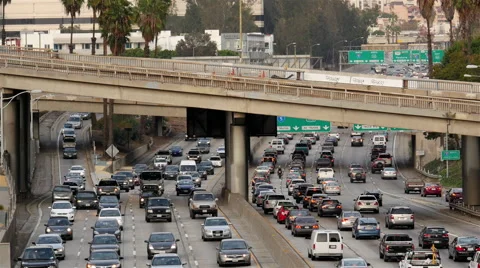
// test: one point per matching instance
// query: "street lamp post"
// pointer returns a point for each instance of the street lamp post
(311, 48)
(1, 117)
(333, 50)
(350, 44)
(286, 49)
(32, 101)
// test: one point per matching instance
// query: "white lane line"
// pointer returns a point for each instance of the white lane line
(84, 228)
(78, 254)
(133, 227)
(190, 248)
(133, 239)
(186, 235)
(133, 218)
(40, 215)
(196, 263)
(181, 224)
(86, 219)
(134, 253)
(81, 240)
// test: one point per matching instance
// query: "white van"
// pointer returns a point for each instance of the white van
(278, 145)
(379, 140)
(326, 243)
(187, 166)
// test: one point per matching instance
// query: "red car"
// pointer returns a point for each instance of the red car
(283, 213)
(431, 189)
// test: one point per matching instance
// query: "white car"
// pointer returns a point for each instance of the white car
(63, 208)
(336, 135)
(68, 132)
(77, 169)
(325, 173)
(112, 213)
(332, 187)
(76, 121)
(160, 162)
(353, 134)
(216, 161)
(279, 204)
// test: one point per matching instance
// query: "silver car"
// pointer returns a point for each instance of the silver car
(388, 173)
(216, 228)
(332, 187)
(233, 251)
(366, 203)
(346, 219)
(167, 260)
(352, 262)
(53, 240)
(399, 216)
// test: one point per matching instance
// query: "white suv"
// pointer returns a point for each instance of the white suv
(278, 145)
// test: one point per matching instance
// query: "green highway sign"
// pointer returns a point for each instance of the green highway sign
(417, 56)
(398, 129)
(366, 56)
(401, 56)
(359, 127)
(297, 125)
(450, 155)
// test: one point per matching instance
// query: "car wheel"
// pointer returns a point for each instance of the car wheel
(377, 211)
(215, 214)
(178, 194)
(149, 257)
(192, 215)
(380, 255)
(169, 219)
(450, 255)
(265, 212)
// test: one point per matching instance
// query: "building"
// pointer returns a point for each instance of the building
(257, 47)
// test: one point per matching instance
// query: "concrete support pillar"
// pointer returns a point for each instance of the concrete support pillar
(105, 124)
(238, 178)
(11, 138)
(158, 125)
(110, 122)
(24, 143)
(471, 170)
(228, 150)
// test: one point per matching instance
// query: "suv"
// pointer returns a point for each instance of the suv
(378, 195)
(302, 147)
(108, 187)
(203, 202)
(194, 154)
(62, 192)
(357, 141)
(358, 174)
(269, 203)
(323, 163)
(309, 193)
(377, 165)
(158, 208)
(328, 146)
(165, 154)
(38, 256)
(387, 158)
(399, 216)
(299, 191)
(329, 155)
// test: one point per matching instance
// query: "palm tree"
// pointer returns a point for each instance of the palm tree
(428, 13)
(467, 13)
(72, 8)
(116, 22)
(97, 6)
(4, 34)
(448, 7)
(150, 18)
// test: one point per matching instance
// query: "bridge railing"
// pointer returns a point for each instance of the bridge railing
(240, 84)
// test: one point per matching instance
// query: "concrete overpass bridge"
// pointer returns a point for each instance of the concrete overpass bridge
(242, 95)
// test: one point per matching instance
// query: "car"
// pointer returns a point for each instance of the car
(358, 174)
(104, 258)
(366, 227)
(107, 226)
(304, 225)
(202, 203)
(375, 193)
(144, 195)
(281, 203)
(315, 200)
(216, 161)
(283, 211)
(195, 155)
(105, 241)
(139, 168)
(161, 243)
(112, 213)
(71, 175)
(209, 166)
(299, 191)
(292, 184)
(75, 184)
(67, 126)
(311, 137)
(85, 116)
(106, 201)
(356, 141)
(38, 256)
(366, 203)
(329, 207)
(233, 251)
(377, 165)
(332, 187)
(463, 247)
(353, 166)
(160, 162)
(86, 199)
(76, 121)
(270, 201)
(53, 240)
(308, 195)
(197, 178)
(176, 150)
(352, 262)
(69, 153)
(62, 192)
(203, 141)
(431, 189)
(158, 208)
(221, 151)
(353, 134)
(325, 243)
(387, 158)
(170, 260)
(346, 219)
(167, 154)
(433, 235)
(328, 146)
(388, 173)
(77, 169)
(214, 228)
(454, 195)
(123, 182)
(184, 186)
(333, 140)
(171, 172)
(59, 225)
(399, 216)
(63, 208)
(335, 135)
(130, 177)
(193, 192)
(108, 187)
(190, 138)
(292, 214)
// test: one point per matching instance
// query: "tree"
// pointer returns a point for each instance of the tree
(196, 45)
(393, 28)
(226, 15)
(428, 13)
(193, 18)
(410, 25)
(96, 6)
(116, 24)
(467, 13)
(150, 17)
(72, 8)
(369, 16)
(4, 33)
(448, 7)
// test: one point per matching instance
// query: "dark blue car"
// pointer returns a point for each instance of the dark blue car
(185, 187)
(176, 151)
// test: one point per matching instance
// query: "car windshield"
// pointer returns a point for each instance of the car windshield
(67, 125)
(49, 240)
(299, 213)
(140, 167)
(355, 166)
(352, 214)
(469, 240)
(215, 158)
(119, 177)
(171, 168)
(61, 206)
(184, 177)
(229, 245)
(176, 148)
(367, 198)
(104, 239)
(38, 254)
(357, 170)
(153, 176)
(368, 222)
(166, 260)
(215, 222)
(103, 255)
(194, 152)
(62, 189)
(76, 168)
(203, 197)
(436, 230)
(185, 182)
(108, 199)
(58, 222)
(125, 173)
(159, 202)
(305, 220)
(109, 213)
(354, 263)
(106, 224)
(74, 119)
(423, 259)
(167, 237)
(402, 211)
(108, 183)
(160, 160)
(388, 169)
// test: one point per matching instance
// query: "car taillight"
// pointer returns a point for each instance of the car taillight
(426, 235)
(313, 246)
(344, 220)
(459, 248)
(387, 248)
(359, 203)
(342, 246)
(298, 227)
(306, 198)
(411, 217)
(266, 202)
(339, 206)
(315, 226)
(413, 247)
(445, 235)
(378, 227)
(391, 217)
(375, 204)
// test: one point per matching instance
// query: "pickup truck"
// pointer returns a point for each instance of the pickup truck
(413, 185)
(69, 142)
(166, 154)
(421, 259)
(394, 246)
(108, 187)
(325, 173)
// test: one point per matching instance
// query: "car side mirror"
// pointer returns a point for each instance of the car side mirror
(217, 248)
(121, 258)
(92, 228)
(45, 225)
(20, 258)
(50, 207)
(183, 264)
(202, 224)
(89, 243)
(74, 207)
(86, 259)
(146, 241)
(171, 204)
(177, 240)
(96, 184)
(368, 264)
(33, 243)
(337, 216)
(123, 214)
(250, 247)
(148, 265)
(111, 176)
(216, 199)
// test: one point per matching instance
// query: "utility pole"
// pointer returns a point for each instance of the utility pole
(105, 124)
(241, 28)
(446, 148)
(110, 123)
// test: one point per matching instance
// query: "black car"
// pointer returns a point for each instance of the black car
(204, 148)
(122, 181)
(139, 168)
(171, 172)
(209, 167)
(108, 201)
(332, 140)
(161, 242)
(377, 195)
(69, 153)
(433, 235)
(38, 256)
(143, 198)
(299, 191)
(292, 214)
(184, 187)
(304, 226)
(104, 258)
(130, 177)
(86, 199)
(105, 241)
(203, 172)
(107, 226)
(61, 226)
(158, 208)
(323, 163)
(463, 247)
(329, 207)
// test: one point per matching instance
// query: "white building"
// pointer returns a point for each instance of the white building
(54, 39)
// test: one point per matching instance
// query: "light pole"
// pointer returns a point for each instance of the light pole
(1, 116)
(48, 96)
(311, 48)
(350, 45)
(240, 26)
(286, 49)
(333, 50)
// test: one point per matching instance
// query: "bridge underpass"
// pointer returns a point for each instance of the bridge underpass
(246, 96)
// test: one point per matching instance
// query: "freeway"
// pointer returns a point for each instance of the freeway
(428, 211)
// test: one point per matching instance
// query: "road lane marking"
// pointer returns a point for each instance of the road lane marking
(196, 263)
(190, 247)
(186, 235)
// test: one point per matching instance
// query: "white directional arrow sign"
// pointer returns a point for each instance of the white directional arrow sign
(326, 127)
(296, 128)
(358, 126)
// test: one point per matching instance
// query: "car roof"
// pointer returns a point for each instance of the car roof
(104, 250)
(215, 218)
(39, 246)
(162, 255)
(157, 233)
(109, 209)
(49, 235)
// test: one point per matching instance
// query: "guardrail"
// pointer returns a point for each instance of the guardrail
(270, 87)
(252, 71)
(472, 210)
